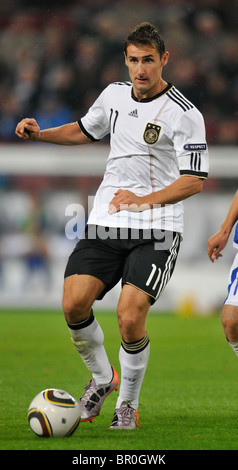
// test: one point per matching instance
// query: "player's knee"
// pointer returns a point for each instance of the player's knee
(126, 323)
(229, 320)
(129, 323)
(229, 324)
(75, 309)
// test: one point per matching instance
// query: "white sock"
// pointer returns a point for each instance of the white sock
(234, 346)
(87, 337)
(133, 359)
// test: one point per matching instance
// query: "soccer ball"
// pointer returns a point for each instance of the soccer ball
(54, 412)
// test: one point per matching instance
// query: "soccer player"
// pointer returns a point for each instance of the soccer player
(158, 157)
(216, 244)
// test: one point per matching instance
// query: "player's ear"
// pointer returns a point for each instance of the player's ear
(165, 58)
(126, 62)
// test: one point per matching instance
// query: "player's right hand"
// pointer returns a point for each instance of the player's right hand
(28, 129)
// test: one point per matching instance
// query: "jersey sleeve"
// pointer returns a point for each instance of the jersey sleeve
(191, 146)
(95, 124)
(235, 241)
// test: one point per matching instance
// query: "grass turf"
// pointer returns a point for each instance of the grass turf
(188, 399)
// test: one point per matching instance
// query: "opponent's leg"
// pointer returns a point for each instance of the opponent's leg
(80, 291)
(134, 354)
(229, 319)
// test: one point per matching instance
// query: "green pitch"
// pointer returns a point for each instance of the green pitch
(189, 398)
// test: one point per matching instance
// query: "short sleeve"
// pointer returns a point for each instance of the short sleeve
(235, 241)
(95, 124)
(191, 146)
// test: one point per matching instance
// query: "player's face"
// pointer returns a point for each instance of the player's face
(145, 69)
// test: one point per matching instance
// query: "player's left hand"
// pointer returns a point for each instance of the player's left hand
(125, 200)
(216, 244)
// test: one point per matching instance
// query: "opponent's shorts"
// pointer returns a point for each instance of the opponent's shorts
(232, 297)
(143, 258)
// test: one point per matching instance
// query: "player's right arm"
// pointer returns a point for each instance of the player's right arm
(67, 134)
(218, 241)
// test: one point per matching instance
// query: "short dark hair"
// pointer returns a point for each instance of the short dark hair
(146, 33)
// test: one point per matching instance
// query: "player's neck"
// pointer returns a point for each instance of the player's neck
(140, 95)
(143, 95)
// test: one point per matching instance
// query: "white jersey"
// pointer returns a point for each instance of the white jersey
(153, 142)
(235, 241)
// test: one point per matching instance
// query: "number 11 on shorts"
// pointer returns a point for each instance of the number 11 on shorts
(151, 277)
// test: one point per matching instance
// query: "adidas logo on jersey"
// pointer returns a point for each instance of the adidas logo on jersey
(133, 113)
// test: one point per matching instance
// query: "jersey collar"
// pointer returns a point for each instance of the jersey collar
(147, 100)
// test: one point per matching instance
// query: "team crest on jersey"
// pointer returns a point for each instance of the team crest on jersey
(151, 133)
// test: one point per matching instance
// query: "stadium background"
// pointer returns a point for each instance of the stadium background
(54, 61)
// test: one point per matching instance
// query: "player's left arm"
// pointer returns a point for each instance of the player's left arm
(218, 241)
(181, 189)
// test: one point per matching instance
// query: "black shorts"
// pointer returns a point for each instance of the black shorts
(142, 258)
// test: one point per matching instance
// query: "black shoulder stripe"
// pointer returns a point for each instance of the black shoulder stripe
(177, 92)
(122, 83)
(85, 132)
(179, 100)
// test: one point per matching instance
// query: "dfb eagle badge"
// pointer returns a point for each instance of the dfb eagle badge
(151, 133)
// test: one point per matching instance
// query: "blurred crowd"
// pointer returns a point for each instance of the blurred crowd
(57, 56)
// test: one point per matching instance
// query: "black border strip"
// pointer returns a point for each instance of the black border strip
(200, 174)
(85, 132)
